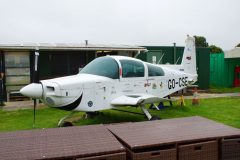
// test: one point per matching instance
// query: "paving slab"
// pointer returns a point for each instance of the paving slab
(12, 106)
(140, 135)
(60, 143)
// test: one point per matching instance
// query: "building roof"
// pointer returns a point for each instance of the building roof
(71, 46)
(234, 53)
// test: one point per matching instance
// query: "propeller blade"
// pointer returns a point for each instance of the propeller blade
(35, 80)
(34, 112)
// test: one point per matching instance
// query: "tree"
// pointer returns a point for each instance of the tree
(200, 41)
(215, 49)
(238, 45)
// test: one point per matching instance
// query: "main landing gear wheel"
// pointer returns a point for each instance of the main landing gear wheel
(155, 118)
(147, 114)
(93, 114)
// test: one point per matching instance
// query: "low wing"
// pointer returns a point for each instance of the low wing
(133, 100)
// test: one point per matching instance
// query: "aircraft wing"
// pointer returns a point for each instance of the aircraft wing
(135, 99)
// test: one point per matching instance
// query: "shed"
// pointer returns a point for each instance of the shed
(55, 60)
(234, 53)
(222, 67)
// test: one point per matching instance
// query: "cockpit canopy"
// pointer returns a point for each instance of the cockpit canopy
(103, 66)
(108, 67)
(154, 71)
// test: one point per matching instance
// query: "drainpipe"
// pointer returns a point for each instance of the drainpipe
(174, 53)
(138, 53)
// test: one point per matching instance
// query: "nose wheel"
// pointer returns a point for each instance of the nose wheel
(63, 123)
(155, 118)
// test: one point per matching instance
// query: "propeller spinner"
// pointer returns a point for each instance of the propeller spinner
(33, 90)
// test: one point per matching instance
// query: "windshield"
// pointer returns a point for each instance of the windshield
(103, 66)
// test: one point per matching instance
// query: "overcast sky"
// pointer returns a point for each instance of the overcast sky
(132, 22)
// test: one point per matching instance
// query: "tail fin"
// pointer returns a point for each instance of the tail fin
(189, 58)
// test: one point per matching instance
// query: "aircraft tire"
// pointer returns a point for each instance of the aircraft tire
(94, 114)
(155, 118)
(66, 124)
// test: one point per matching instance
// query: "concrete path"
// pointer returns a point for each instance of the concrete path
(214, 95)
(11, 106)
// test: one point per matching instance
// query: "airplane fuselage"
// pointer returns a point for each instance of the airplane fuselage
(97, 92)
(114, 81)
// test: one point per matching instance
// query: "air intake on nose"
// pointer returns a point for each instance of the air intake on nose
(50, 88)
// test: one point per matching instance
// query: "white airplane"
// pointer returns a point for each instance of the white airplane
(114, 81)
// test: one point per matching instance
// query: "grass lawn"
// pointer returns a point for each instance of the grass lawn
(224, 110)
(214, 89)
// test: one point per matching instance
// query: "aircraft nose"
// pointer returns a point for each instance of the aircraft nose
(33, 90)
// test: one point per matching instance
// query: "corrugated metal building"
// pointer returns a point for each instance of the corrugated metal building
(222, 67)
(55, 60)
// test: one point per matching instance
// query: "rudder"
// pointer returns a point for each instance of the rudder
(189, 56)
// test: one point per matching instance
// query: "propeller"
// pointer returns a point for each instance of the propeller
(35, 80)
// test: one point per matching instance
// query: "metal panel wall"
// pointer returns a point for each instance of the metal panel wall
(62, 63)
(231, 63)
(217, 70)
(222, 70)
(203, 67)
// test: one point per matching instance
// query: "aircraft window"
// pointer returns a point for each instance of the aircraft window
(132, 68)
(154, 71)
(103, 66)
